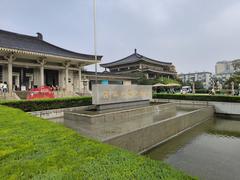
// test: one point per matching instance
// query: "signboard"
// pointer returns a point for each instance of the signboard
(43, 92)
(102, 94)
(105, 82)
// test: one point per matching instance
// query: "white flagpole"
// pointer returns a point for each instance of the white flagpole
(95, 39)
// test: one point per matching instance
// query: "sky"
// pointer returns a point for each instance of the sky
(192, 34)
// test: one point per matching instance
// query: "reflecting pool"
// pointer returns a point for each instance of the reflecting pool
(209, 151)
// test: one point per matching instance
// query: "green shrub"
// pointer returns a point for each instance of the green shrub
(202, 91)
(33, 148)
(198, 97)
(46, 104)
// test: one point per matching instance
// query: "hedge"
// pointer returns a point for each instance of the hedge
(202, 91)
(46, 104)
(32, 148)
(198, 97)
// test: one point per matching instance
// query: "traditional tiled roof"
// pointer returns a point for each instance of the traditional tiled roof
(15, 41)
(133, 58)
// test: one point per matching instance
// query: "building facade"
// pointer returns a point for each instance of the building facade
(224, 67)
(204, 77)
(29, 61)
(136, 63)
(224, 70)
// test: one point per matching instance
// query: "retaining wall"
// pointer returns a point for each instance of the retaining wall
(230, 108)
(55, 113)
(165, 110)
(143, 139)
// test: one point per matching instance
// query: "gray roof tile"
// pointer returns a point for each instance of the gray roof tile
(34, 44)
(133, 58)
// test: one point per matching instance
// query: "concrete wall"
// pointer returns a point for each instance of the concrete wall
(220, 107)
(127, 82)
(55, 113)
(146, 138)
(165, 111)
(109, 94)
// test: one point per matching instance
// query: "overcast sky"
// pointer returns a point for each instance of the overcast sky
(193, 34)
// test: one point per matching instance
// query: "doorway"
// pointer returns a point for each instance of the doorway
(51, 77)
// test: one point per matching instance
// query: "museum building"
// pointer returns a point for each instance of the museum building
(137, 64)
(30, 61)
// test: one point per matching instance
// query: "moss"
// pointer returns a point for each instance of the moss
(38, 149)
(224, 133)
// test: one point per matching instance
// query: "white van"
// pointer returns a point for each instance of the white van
(186, 89)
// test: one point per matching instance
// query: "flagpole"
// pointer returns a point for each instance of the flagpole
(95, 39)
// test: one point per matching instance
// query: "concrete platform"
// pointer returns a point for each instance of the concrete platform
(92, 117)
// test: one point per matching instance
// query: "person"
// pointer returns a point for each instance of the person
(1, 86)
(5, 87)
(212, 92)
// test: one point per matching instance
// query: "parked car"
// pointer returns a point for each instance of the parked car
(186, 89)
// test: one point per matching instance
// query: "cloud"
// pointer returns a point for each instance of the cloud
(193, 34)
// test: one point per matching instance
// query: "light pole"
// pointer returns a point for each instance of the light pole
(95, 38)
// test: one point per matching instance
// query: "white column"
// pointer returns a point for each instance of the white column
(80, 78)
(67, 64)
(10, 87)
(42, 75)
(42, 62)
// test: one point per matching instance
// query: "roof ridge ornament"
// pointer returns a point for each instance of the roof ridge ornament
(39, 36)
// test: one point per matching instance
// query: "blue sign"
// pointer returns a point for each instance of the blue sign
(105, 82)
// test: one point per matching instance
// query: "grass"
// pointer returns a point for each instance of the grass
(33, 148)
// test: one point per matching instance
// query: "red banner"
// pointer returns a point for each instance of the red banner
(43, 92)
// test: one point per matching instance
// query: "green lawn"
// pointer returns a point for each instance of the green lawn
(31, 147)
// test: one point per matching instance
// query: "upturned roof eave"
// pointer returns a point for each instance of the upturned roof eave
(138, 58)
(41, 54)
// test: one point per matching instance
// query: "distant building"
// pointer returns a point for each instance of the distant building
(138, 63)
(224, 70)
(236, 65)
(204, 77)
(224, 67)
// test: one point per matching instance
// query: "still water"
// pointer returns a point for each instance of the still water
(208, 151)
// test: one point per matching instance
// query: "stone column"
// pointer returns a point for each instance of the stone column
(42, 62)
(42, 75)
(67, 64)
(10, 86)
(80, 78)
(10, 58)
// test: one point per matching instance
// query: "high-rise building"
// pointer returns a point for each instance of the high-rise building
(224, 67)
(204, 77)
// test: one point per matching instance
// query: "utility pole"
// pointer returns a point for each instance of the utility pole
(95, 39)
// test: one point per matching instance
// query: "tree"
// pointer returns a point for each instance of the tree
(234, 78)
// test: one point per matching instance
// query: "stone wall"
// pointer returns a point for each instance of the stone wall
(143, 139)
(165, 110)
(230, 108)
(54, 113)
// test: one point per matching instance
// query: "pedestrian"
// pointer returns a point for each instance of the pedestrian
(1, 86)
(5, 87)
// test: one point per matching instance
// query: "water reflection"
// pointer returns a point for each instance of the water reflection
(202, 154)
